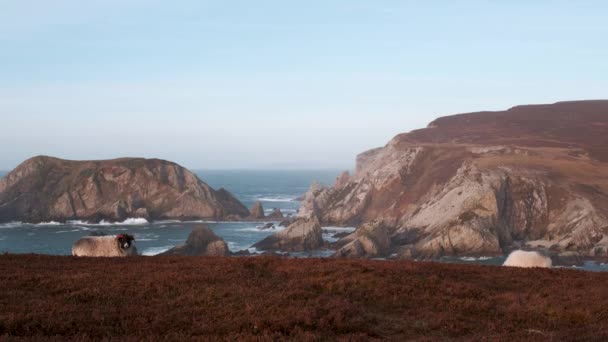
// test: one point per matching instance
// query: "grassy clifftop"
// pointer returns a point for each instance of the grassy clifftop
(306, 299)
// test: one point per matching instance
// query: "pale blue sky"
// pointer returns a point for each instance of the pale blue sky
(277, 84)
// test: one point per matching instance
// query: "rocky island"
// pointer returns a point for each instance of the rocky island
(51, 189)
(479, 184)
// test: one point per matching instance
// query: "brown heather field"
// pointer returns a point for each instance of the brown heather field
(265, 298)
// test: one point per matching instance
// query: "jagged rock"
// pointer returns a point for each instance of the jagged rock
(370, 240)
(276, 214)
(201, 241)
(301, 235)
(51, 189)
(269, 225)
(483, 184)
(257, 211)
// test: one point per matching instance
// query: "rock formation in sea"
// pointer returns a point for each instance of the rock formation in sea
(256, 211)
(301, 235)
(480, 184)
(276, 214)
(51, 189)
(202, 241)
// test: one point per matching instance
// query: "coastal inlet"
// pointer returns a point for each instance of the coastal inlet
(274, 189)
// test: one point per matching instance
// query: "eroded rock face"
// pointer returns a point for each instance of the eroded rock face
(301, 235)
(370, 240)
(257, 211)
(51, 189)
(482, 184)
(202, 241)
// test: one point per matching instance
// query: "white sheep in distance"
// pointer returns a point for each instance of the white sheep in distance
(105, 246)
(527, 259)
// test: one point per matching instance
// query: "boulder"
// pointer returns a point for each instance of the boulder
(257, 211)
(368, 241)
(202, 241)
(301, 235)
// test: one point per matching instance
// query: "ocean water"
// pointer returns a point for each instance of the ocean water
(275, 189)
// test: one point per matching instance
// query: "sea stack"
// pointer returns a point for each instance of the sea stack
(51, 189)
(256, 211)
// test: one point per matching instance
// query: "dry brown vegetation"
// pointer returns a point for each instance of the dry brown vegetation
(267, 298)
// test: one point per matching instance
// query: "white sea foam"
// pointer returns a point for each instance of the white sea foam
(276, 199)
(253, 250)
(155, 250)
(50, 223)
(127, 222)
(67, 231)
(11, 225)
(465, 258)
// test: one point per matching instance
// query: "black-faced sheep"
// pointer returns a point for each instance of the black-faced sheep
(527, 259)
(105, 246)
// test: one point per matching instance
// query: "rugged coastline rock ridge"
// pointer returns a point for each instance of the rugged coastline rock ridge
(481, 184)
(51, 189)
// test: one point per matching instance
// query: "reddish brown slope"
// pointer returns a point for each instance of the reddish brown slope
(576, 124)
(151, 298)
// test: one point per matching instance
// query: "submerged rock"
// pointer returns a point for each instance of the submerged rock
(301, 235)
(202, 241)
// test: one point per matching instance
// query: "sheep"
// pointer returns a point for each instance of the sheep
(521, 258)
(105, 246)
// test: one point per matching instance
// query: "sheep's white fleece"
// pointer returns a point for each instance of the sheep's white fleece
(527, 259)
(101, 246)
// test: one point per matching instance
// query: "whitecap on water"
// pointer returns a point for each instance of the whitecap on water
(155, 250)
(465, 258)
(50, 223)
(11, 225)
(277, 199)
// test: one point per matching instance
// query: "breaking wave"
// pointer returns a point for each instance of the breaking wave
(277, 199)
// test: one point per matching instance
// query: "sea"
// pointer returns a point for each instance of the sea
(273, 188)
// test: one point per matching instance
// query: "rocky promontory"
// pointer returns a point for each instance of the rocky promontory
(51, 189)
(480, 184)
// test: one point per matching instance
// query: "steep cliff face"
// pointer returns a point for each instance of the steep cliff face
(482, 183)
(45, 189)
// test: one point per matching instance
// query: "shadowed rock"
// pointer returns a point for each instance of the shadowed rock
(276, 214)
(301, 235)
(201, 241)
(52, 189)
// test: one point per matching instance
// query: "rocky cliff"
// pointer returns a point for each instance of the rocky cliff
(51, 189)
(483, 183)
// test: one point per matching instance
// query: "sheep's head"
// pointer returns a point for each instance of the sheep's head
(125, 240)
